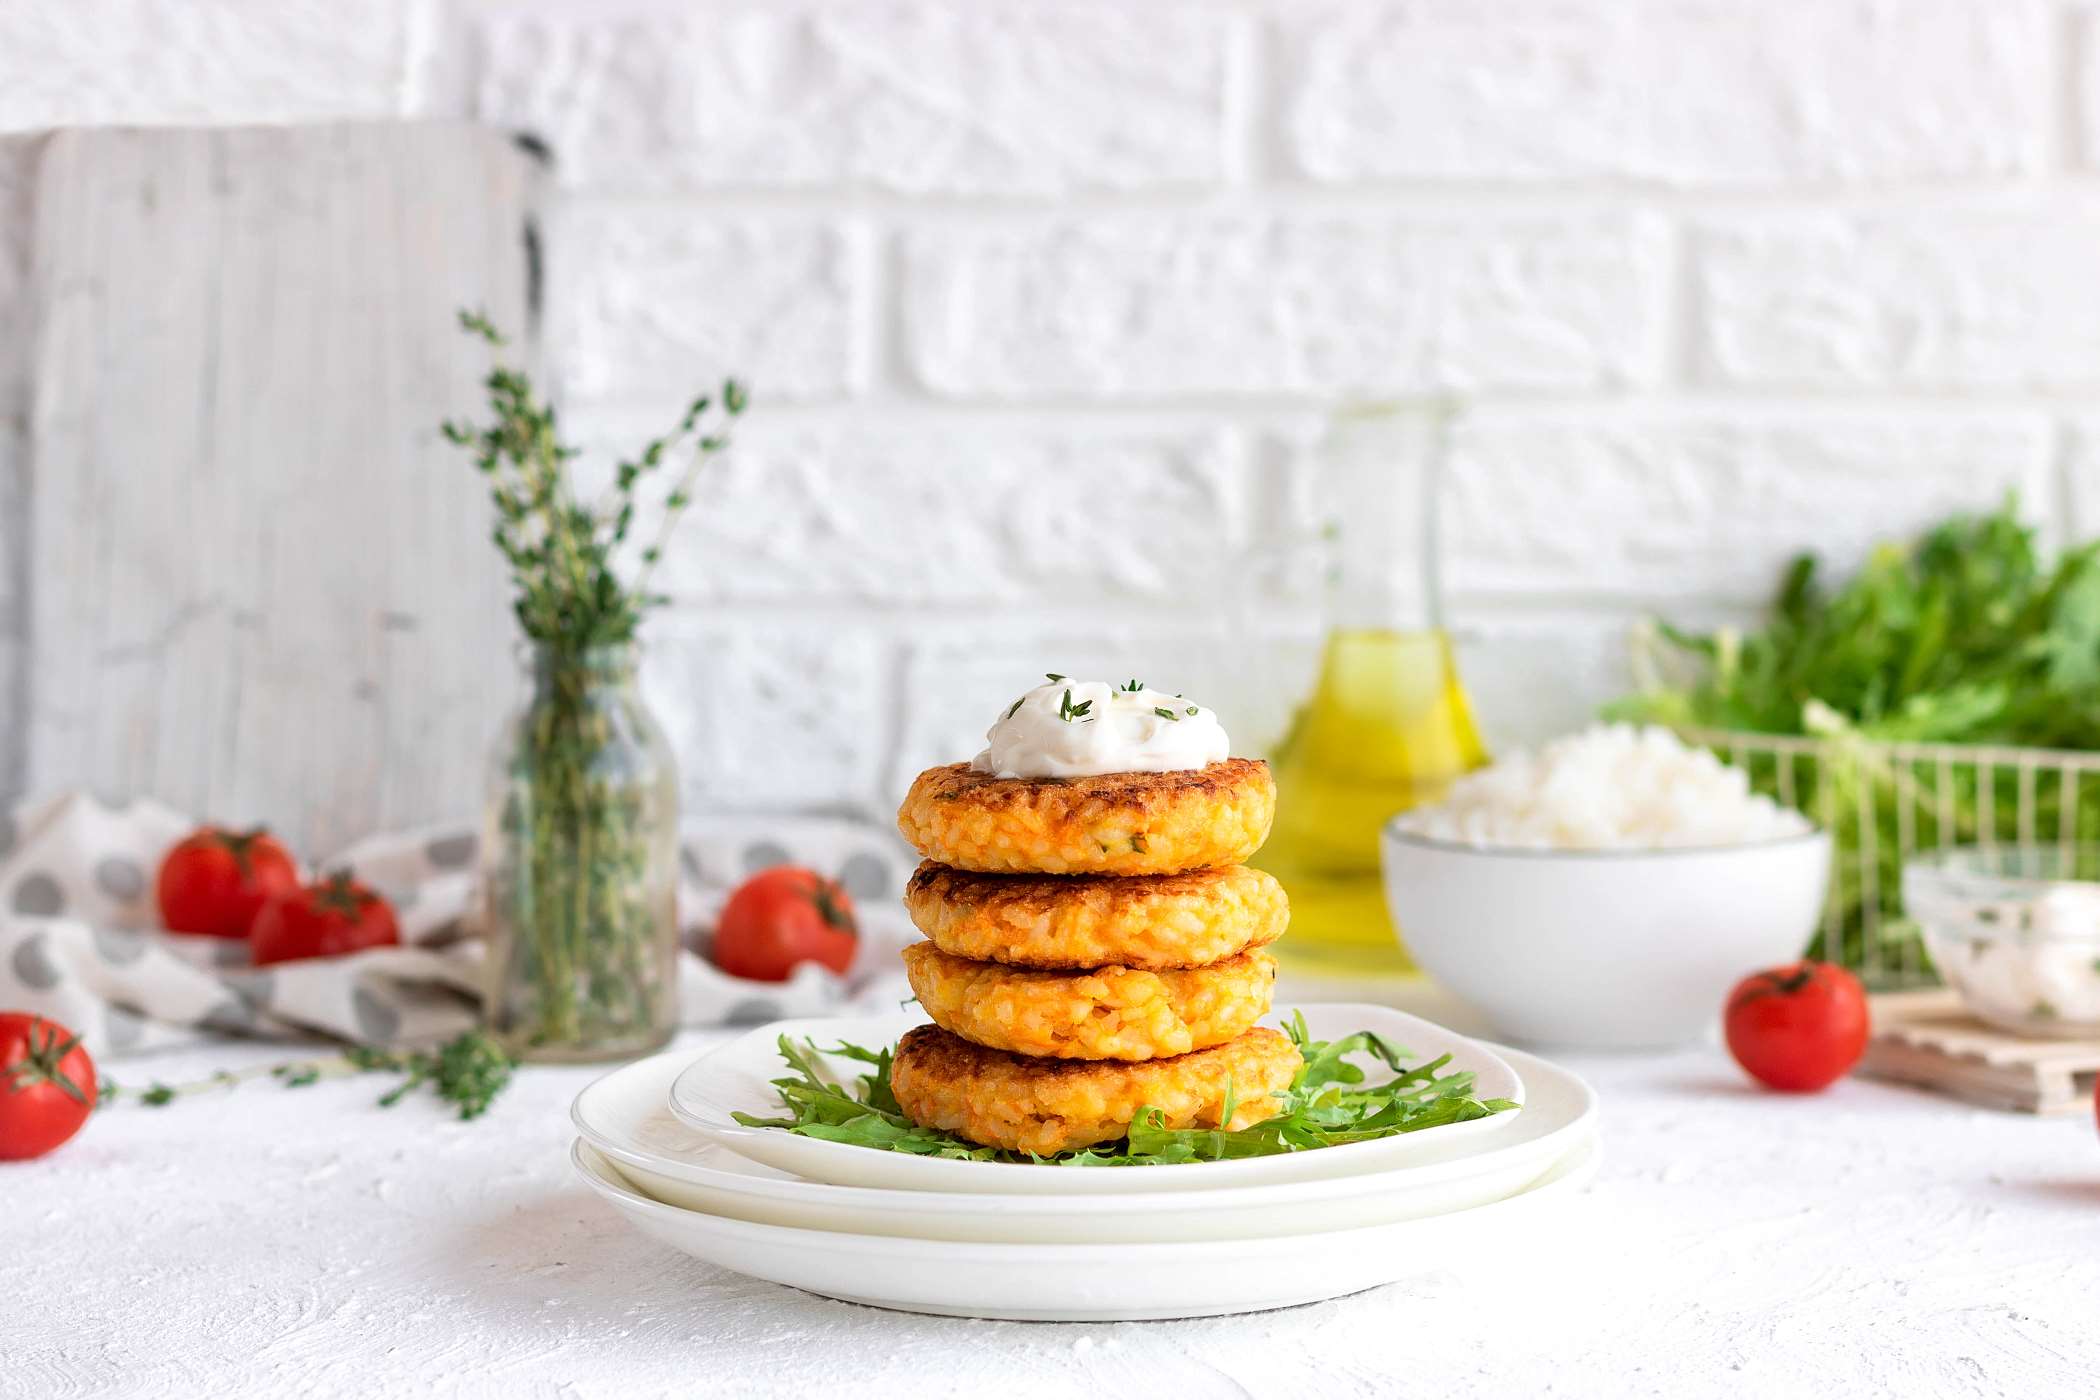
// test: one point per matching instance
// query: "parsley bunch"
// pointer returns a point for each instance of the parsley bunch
(1964, 636)
(1967, 635)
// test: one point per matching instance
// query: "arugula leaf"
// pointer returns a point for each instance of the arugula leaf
(1328, 1103)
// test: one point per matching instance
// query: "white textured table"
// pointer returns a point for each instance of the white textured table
(1873, 1241)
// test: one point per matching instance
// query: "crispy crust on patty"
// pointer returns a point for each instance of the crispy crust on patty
(1110, 824)
(1076, 921)
(1044, 1106)
(1108, 1013)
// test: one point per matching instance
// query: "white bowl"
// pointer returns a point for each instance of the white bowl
(1602, 949)
(626, 1117)
(2015, 929)
(737, 1077)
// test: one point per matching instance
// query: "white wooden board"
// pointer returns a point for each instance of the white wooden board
(1928, 1038)
(260, 583)
(17, 167)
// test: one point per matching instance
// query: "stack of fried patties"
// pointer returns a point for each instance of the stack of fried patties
(1094, 947)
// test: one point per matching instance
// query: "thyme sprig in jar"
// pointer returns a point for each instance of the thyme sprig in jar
(579, 867)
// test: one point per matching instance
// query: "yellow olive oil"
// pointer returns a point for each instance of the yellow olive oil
(1388, 727)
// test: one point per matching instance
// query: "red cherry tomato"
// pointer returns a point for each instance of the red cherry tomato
(215, 881)
(781, 917)
(1799, 1027)
(325, 920)
(47, 1085)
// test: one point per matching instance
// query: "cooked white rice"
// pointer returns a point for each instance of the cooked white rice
(1610, 787)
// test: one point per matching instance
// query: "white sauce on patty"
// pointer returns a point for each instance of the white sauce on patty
(1075, 729)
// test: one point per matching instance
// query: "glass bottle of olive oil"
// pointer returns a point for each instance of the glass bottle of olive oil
(1388, 725)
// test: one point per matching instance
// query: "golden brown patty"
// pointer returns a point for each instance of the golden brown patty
(1111, 824)
(1108, 1013)
(1151, 921)
(1044, 1106)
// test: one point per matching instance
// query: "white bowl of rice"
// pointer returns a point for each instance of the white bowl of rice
(1605, 890)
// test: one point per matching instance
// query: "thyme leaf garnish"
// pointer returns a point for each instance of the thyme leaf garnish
(467, 1072)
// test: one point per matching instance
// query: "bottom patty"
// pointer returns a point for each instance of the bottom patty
(1023, 1104)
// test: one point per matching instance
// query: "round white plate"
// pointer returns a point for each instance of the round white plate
(625, 1116)
(1108, 1282)
(738, 1077)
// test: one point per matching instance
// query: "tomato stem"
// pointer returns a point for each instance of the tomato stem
(45, 1063)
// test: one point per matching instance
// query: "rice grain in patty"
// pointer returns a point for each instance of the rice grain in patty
(1109, 824)
(1081, 921)
(1105, 1013)
(997, 1099)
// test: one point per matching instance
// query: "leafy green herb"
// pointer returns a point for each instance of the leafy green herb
(1329, 1103)
(1052, 677)
(467, 1072)
(1963, 637)
(1164, 713)
(562, 553)
(1132, 686)
(1067, 711)
(1016, 709)
(579, 925)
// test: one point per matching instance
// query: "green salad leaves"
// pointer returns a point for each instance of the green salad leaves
(1328, 1103)
(1966, 636)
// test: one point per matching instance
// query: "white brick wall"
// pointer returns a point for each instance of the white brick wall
(1700, 93)
(1156, 306)
(1041, 300)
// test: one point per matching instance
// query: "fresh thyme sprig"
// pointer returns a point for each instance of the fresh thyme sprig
(1164, 713)
(467, 1072)
(1068, 711)
(585, 941)
(562, 553)
(1328, 1104)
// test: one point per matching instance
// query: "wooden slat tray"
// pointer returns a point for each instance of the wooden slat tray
(1929, 1039)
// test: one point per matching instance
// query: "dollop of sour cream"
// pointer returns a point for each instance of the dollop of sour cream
(1074, 729)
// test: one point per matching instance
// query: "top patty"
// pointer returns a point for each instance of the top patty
(1109, 824)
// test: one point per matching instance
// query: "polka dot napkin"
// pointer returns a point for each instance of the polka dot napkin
(80, 943)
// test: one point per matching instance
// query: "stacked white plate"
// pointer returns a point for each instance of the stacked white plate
(986, 1239)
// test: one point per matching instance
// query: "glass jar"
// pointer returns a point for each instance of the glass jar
(580, 870)
(1388, 725)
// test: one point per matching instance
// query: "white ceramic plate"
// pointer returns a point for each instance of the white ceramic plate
(1109, 1282)
(625, 1116)
(738, 1077)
